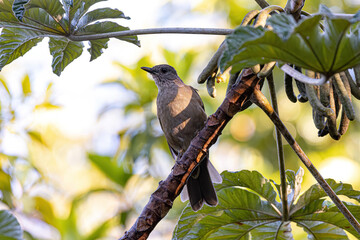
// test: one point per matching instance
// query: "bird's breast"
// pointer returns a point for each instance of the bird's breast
(181, 116)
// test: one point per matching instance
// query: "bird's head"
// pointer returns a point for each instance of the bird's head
(162, 74)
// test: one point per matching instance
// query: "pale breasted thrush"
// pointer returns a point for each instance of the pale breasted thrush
(181, 113)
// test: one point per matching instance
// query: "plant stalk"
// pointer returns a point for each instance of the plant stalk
(280, 152)
(174, 30)
(262, 3)
(259, 99)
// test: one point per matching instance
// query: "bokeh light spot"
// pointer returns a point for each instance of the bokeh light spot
(242, 127)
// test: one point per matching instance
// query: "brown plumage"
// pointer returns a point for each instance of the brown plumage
(181, 114)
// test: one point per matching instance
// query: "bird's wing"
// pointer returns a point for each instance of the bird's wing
(197, 97)
(173, 152)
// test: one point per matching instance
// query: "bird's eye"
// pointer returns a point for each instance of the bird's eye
(163, 70)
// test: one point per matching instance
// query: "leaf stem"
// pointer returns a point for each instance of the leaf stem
(280, 151)
(301, 77)
(262, 3)
(174, 30)
(259, 99)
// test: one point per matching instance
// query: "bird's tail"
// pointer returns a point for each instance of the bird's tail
(199, 187)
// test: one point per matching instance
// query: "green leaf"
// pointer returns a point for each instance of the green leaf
(274, 230)
(26, 85)
(315, 192)
(294, 181)
(98, 14)
(252, 180)
(79, 8)
(2, 81)
(15, 42)
(318, 205)
(44, 207)
(38, 18)
(36, 136)
(329, 223)
(7, 18)
(283, 25)
(64, 52)
(96, 47)
(5, 181)
(321, 230)
(19, 9)
(52, 7)
(107, 27)
(43, 14)
(305, 45)
(9, 226)
(238, 213)
(118, 173)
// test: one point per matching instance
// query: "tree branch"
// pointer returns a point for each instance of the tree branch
(280, 152)
(175, 30)
(162, 199)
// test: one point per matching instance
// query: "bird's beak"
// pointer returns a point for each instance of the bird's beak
(147, 69)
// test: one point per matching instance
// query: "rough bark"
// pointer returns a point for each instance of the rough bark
(162, 199)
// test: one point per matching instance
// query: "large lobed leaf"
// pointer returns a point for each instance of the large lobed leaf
(239, 214)
(242, 212)
(303, 44)
(26, 22)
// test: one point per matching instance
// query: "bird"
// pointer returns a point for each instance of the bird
(181, 114)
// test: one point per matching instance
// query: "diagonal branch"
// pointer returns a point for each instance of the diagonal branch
(162, 199)
(259, 99)
(280, 152)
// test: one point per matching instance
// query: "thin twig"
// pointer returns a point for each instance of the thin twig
(280, 152)
(175, 30)
(263, 103)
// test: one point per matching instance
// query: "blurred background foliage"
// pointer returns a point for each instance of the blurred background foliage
(62, 187)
